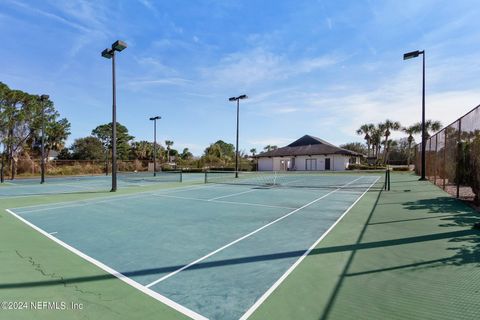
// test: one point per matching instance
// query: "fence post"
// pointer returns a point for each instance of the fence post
(445, 157)
(429, 170)
(435, 161)
(457, 171)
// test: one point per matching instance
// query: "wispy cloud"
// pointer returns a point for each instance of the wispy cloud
(158, 82)
(259, 65)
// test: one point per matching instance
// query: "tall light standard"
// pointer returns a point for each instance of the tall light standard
(243, 96)
(110, 54)
(43, 99)
(154, 119)
(407, 56)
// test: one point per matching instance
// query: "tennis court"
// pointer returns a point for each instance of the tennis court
(83, 184)
(214, 250)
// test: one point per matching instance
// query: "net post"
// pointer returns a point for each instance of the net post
(181, 175)
(205, 177)
(388, 179)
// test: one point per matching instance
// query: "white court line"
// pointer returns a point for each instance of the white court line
(52, 233)
(232, 194)
(285, 275)
(190, 313)
(221, 201)
(244, 237)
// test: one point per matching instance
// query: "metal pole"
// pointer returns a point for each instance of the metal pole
(424, 135)
(114, 128)
(236, 150)
(435, 160)
(154, 147)
(2, 175)
(459, 154)
(42, 162)
(106, 161)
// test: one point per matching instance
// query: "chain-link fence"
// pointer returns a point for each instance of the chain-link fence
(453, 157)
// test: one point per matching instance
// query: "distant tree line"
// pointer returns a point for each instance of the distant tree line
(21, 117)
(379, 146)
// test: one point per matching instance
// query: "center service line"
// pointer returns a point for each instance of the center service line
(244, 237)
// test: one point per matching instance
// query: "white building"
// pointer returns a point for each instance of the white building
(307, 154)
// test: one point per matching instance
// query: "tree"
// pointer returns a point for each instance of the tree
(430, 126)
(56, 134)
(355, 147)
(367, 130)
(64, 154)
(21, 118)
(411, 130)
(270, 148)
(104, 134)
(387, 126)
(88, 148)
(168, 143)
(253, 151)
(219, 153)
(186, 154)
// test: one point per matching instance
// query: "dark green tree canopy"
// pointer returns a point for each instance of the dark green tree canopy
(104, 134)
(355, 146)
(88, 148)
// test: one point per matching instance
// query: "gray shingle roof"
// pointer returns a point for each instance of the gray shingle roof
(308, 145)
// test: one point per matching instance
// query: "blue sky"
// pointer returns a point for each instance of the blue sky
(309, 67)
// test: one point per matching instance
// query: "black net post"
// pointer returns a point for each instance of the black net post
(387, 180)
(205, 176)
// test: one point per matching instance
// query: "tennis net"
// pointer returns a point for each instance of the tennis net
(364, 179)
(146, 176)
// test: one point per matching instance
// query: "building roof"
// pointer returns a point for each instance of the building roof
(308, 145)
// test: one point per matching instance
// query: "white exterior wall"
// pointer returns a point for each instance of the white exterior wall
(265, 164)
(337, 163)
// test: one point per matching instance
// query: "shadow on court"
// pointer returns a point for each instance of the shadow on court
(456, 236)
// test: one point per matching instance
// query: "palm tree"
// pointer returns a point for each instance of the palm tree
(253, 151)
(376, 135)
(413, 129)
(430, 126)
(366, 129)
(57, 133)
(168, 143)
(387, 126)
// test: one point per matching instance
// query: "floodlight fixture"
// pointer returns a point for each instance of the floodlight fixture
(119, 45)
(107, 53)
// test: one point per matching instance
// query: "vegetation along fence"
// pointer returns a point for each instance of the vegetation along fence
(453, 157)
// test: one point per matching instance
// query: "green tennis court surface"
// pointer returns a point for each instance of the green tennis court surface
(85, 184)
(191, 244)
(225, 251)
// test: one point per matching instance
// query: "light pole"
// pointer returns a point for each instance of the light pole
(237, 99)
(110, 54)
(407, 56)
(154, 119)
(43, 99)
